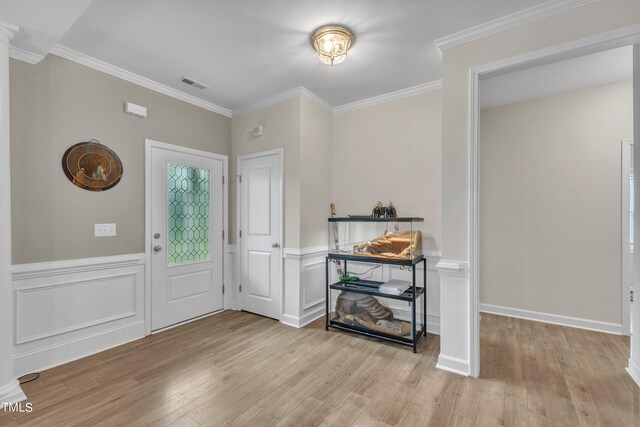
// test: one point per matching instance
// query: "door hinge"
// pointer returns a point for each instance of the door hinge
(631, 296)
(223, 180)
(222, 234)
(240, 288)
(240, 232)
(222, 289)
(240, 178)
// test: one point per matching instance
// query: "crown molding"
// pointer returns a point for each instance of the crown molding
(275, 99)
(301, 92)
(96, 64)
(9, 26)
(296, 92)
(8, 30)
(534, 13)
(25, 55)
(312, 97)
(391, 96)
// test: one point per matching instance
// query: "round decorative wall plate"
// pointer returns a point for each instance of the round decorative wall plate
(92, 166)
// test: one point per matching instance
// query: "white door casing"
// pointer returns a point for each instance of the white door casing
(260, 232)
(627, 245)
(185, 233)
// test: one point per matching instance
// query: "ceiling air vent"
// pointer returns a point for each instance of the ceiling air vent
(194, 83)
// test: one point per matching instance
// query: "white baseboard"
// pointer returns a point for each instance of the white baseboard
(452, 364)
(195, 319)
(555, 319)
(301, 322)
(289, 320)
(65, 352)
(634, 371)
(12, 393)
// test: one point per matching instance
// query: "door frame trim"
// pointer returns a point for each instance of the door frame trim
(627, 156)
(149, 145)
(239, 159)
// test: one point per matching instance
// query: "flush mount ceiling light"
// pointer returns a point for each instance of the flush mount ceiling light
(332, 43)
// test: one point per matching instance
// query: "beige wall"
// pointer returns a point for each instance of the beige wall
(58, 103)
(391, 151)
(594, 18)
(550, 210)
(281, 129)
(315, 194)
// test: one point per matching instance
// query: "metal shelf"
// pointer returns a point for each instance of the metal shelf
(373, 334)
(376, 259)
(369, 219)
(371, 287)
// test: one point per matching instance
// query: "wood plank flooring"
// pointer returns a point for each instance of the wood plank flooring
(239, 369)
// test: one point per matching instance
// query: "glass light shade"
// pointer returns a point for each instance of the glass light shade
(332, 44)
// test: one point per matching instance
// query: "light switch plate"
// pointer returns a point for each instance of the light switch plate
(104, 230)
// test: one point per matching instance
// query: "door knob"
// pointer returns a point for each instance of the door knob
(157, 248)
(275, 245)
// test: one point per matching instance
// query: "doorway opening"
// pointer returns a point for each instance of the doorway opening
(535, 209)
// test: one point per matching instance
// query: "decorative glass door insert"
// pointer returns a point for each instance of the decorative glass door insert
(189, 222)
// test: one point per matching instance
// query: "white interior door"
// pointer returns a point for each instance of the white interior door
(187, 209)
(260, 197)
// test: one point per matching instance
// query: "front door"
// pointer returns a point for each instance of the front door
(260, 227)
(187, 209)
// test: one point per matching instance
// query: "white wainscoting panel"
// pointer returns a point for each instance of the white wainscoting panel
(66, 310)
(454, 320)
(303, 286)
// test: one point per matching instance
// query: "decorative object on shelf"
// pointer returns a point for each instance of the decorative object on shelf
(333, 210)
(332, 42)
(92, 166)
(390, 211)
(392, 245)
(378, 210)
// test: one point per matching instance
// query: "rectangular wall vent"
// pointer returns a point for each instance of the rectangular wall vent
(194, 83)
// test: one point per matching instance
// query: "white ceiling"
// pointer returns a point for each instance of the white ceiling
(250, 50)
(609, 66)
(42, 23)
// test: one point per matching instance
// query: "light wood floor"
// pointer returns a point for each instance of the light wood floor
(243, 369)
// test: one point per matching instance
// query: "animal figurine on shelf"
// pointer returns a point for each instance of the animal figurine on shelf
(365, 311)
